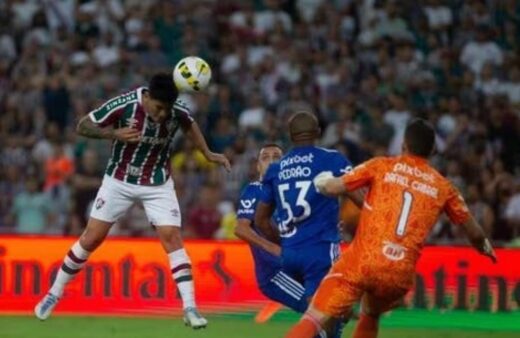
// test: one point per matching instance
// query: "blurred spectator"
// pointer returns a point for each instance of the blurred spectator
(204, 218)
(11, 185)
(227, 222)
(439, 16)
(397, 116)
(31, 208)
(253, 116)
(85, 183)
(58, 168)
(377, 134)
(56, 101)
(511, 88)
(486, 82)
(477, 53)
(512, 211)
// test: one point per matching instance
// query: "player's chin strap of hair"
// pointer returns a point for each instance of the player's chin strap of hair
(316, 323)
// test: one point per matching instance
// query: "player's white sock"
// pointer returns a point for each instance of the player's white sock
(72, 264)
(180, 265)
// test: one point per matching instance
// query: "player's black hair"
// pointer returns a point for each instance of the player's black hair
(303, 126)
(162, 88)
(270, 145)
(420, 137)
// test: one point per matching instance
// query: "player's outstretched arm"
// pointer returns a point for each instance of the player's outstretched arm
(329, 185)
(263, 215)
(245, 232)
(86, 127)
(478, 239)
(200, 142)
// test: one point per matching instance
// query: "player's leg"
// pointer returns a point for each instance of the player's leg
(332, 301)
(162, 209)
(316, 268)
(373, 306)
(284, 289)
(180, 265)
(316, 262)
(110, 204)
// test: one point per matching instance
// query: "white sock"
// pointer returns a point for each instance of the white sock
(72, 264)
(180, 265)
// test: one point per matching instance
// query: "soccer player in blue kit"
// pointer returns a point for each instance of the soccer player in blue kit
(307, 220)
(272, 281)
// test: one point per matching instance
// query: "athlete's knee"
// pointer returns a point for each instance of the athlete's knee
(94, 235)
(171, 237)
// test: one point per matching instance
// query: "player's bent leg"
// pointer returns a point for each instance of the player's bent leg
(372, 306)
(284, 289)
(267, 312)
(368, 323)
(333, 299)
(312, 324)
(180, 265)
(94, 234)
(367, 326)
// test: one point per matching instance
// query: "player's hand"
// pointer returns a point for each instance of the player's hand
(219, 159)
(129, 135)
(321, 179)
(488, 251)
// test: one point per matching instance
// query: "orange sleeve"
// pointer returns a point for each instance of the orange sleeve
(455, 207)
(361, 175)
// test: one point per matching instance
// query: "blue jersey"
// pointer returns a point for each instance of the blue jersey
(266, 265)
(305, 216)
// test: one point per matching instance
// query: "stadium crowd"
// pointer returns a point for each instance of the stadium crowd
(364, 66)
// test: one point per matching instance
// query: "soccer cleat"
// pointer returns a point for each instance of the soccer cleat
(193, 319)
(44, 308)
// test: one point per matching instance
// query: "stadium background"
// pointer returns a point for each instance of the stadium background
(364, 66)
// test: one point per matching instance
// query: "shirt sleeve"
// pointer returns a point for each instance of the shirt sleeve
(362, 175)
(183, 114)
(455, 207)
(247, 204)
(341, 165)
(266, 194)
(110, 111)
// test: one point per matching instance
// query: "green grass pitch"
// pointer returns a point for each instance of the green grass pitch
(399, 324)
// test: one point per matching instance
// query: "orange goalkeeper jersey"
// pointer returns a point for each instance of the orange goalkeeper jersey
(405, 198)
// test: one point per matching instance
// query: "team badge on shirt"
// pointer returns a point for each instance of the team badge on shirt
(100, 203)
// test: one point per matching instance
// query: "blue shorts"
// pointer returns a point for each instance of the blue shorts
(309, 263)
(285, 290)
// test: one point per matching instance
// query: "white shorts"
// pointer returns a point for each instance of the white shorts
(115, 197)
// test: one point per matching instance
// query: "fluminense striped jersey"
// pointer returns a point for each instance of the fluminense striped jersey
(145, 162)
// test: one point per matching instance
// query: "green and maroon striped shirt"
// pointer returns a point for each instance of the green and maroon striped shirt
(146, 162)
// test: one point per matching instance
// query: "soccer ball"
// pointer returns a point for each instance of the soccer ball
(191, 74)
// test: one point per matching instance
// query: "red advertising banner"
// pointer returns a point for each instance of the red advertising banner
(131, 276)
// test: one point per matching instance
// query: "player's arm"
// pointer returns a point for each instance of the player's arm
(245, 232)
(458, 213)
(192, 130)
(359, 177)
(263, 215)
(99, 123)
(478, 239)
(88, 128)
